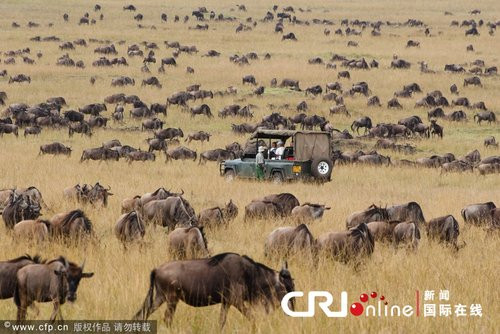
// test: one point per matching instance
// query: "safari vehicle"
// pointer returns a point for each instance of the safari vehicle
(307, 156)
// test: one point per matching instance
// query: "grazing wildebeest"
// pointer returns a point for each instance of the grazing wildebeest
(490, 141)
(444, 229)
(169, 212)
(372, 213)
(20, 78)
(410, 211)
(169, 61)
(200, 135)
(218, 155)
(407, 233)
(81, 127)
(8, 272)
(188, 243)
(71, 224)
(201, 110)
(9, 128)
(475, 81)
(289, 83)
(263, 210)
(288, 241)
(488, 168)
(394, 104)
(485, 116)
(340, 109)
(55, 148)
(374, 101)
(33, 230)
(152, 124)
(19, 208)
(456, 116)
(129, 227)
(249, 79)
(93, 109)
(181, 153)
(169, 133)
(98, 121)
(74, 116)
(349, 245)
(32, 130)
(228, 279)
(308, 212)
(218, 216)
(151, 81)
(55, 281)
(289, 36)
(363, 122)
(286, 201)
(140, 156)
(156, 144)
(435, 113)
(478, 214)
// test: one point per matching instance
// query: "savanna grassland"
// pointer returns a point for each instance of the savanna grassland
(121, 276)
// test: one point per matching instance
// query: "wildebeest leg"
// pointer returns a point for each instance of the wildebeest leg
(223, 313)
(172, 301)
(56, 311)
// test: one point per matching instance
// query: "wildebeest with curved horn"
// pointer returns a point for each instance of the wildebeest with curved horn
(217, 216)
(349, 245)
(371, 214)
(19, 208)
(188, 243)
(8, 273)
(286, 241)
(478, 214)
(129, 227)
(55, 281)
(228, 279)
(363, 122)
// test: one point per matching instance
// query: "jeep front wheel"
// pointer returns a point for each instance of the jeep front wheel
(277, 178)
(229, 175)
(322, 168)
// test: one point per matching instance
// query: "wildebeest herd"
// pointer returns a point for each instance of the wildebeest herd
(149, 101)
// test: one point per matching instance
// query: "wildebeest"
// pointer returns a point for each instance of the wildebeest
(82, 127)
(32, 130)
(229, 279)
(407, 233)
(72, 224)
(382, 230)
(152, 124)
(8, 272)
(444, 229)
(156, 144)
(217, 216)
(363, 122)
(181, 153)
(20, 78)
(218, 155)
(263, 209)
(55, 148)
(372, 213)
(287, 201)
(169, 133)
(490, 141)
(18, 208)
(485, 116)
(201, 110)
(74, 116)
(478, 214)
(200, 135)
(170, 212)
(435, 129)
(289, 36)
(250, 79)
(151, 81)
(55, 281)
(349, 245)
(287, 241)
(9, 128)
(140, 156)
(290, 83)
(33, 230)
(475, 81)
(188, 243)
(129, 227)
(410, 211)
(96, 194)
(308, 212)
(99, 153)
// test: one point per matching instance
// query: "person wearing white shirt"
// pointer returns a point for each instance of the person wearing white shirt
(280, 150)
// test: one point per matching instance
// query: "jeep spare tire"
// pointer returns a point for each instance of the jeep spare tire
(321, 168)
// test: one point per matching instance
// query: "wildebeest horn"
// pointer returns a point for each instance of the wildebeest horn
(83, 264)
(182, 192)
(285, 265)
(109, 188)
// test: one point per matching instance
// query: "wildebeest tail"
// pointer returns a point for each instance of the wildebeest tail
(17, 299)
(463, 214)
(145, 310)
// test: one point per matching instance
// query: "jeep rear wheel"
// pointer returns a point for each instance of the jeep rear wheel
(277, 178)
(229, 175)
(322, 168)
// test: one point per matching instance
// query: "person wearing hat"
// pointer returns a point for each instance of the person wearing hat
(280, 150)
(259, 163)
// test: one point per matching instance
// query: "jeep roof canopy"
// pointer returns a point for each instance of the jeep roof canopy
(308, 145)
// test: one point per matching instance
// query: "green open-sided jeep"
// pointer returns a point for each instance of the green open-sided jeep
(306, 156)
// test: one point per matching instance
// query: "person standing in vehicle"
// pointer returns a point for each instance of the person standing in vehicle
(259, 164)
(280, 150)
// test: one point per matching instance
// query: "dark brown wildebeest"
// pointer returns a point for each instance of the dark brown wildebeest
(289, 36)
(19, 208)
(93, 109)
(200, 135)
(9, 128)
(20, 78)
(286, 200)
(444, 229)
(457, 116)
(82, 127)
(218, 216)
(490, 141)
(33, 230)
(139, 112)
(201, 110)
(98, 121)
(156, 144)
(181, 153)
(160, 193)
(287, 241)
(169, 61)
(8, 272)
(488, 116)
(169, 133)
(99, 153)
(382, 230)
(55, 148)
(363, 122)
(372, 213)
(169, 212)
(478, 214)
(55, 281)
(349, 245)
(488, 168)
(152, 124)
(394, 104)
(218, 155)
(228, 279)
(158, 108)
(151, 81)
(289, 83)
(262, 209)
(74, 116)
(249, 79)
(435, 129)
(400, 63)
(475, 81)
(410, 211)
(32, 130)
(129, 204)
(188, 243)
(129, 227)
(340, 109)
(407, 233)
(140, 156)
(435, 113)
(71, 224)
(308, 212)
(495, 218)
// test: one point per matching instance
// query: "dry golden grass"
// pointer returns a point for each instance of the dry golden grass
(119, 286)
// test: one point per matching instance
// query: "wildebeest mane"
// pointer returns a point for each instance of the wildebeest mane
(35, 259)
(216, 259)
(74, 215)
